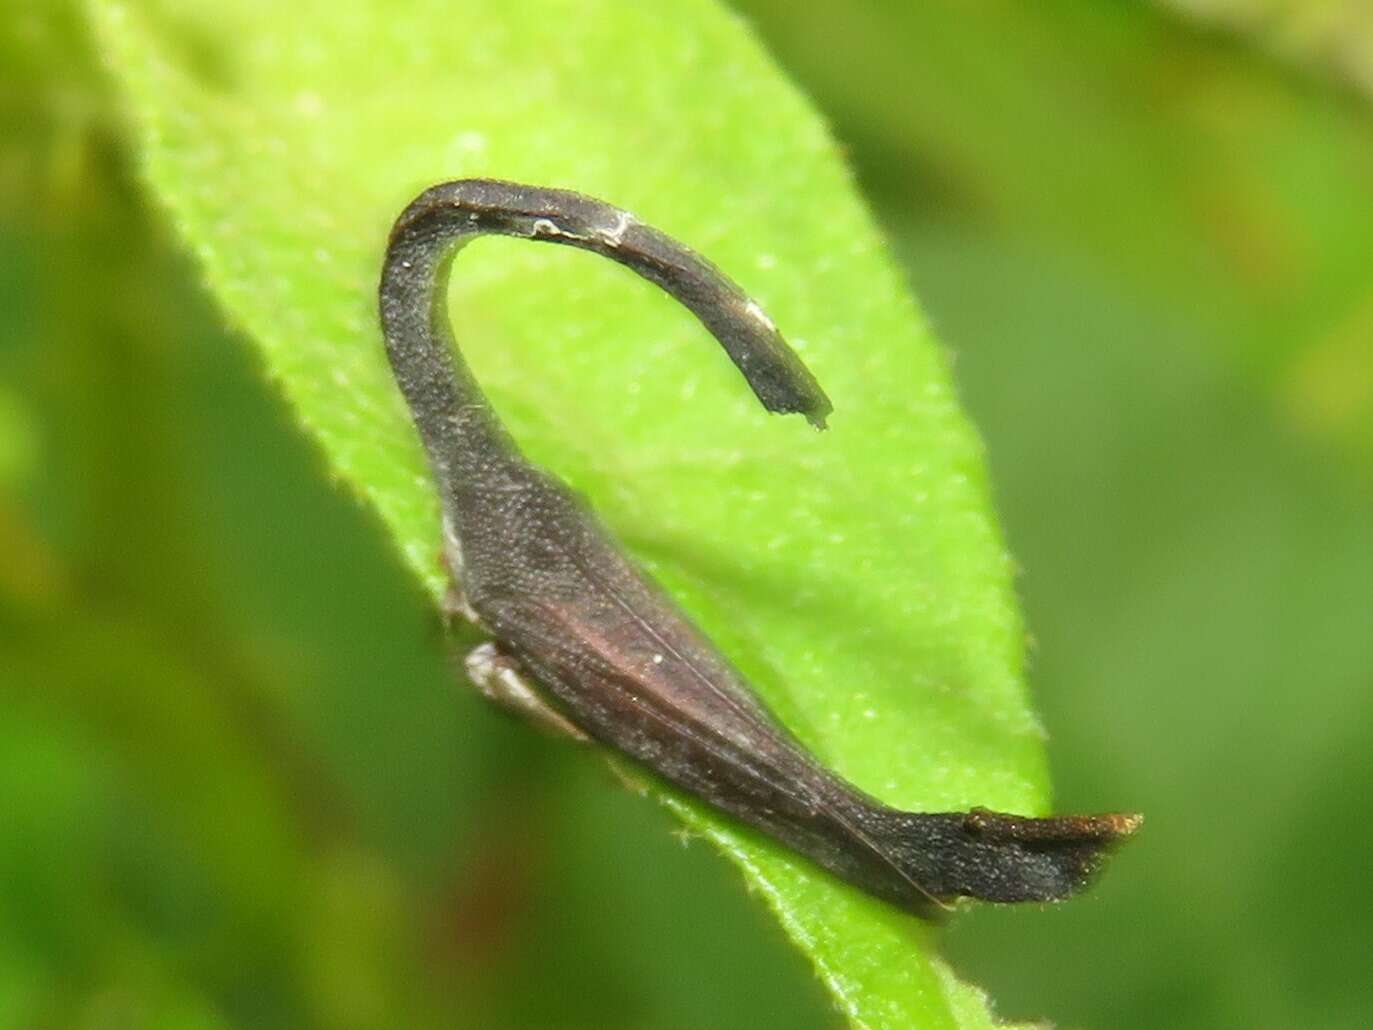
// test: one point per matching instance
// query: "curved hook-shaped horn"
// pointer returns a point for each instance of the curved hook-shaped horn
(455, 420)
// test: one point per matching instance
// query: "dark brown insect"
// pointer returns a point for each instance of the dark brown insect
(583, 641)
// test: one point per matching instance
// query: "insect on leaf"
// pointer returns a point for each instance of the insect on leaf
(856, 577)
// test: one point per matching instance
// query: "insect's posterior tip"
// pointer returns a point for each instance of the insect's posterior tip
(1124, 824)
(1012, 858)
(1103, 830)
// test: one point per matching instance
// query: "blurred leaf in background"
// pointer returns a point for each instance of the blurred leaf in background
(239, 787)
(1332, 37)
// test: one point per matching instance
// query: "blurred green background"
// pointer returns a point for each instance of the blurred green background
(238, 786)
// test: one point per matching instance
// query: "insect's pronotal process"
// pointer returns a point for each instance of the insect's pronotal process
(585, 644)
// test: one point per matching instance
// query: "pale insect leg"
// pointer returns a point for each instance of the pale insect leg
(501, 681)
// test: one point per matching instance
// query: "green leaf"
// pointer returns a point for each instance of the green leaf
(857, 576)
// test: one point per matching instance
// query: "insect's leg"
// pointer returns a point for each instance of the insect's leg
(455, 606)
(500, 680)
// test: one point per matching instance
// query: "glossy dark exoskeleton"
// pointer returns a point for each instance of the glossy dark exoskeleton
(583, 640)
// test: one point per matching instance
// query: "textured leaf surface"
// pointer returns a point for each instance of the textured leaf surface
(857, 576)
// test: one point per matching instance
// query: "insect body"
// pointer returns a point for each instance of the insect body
(585, 642)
